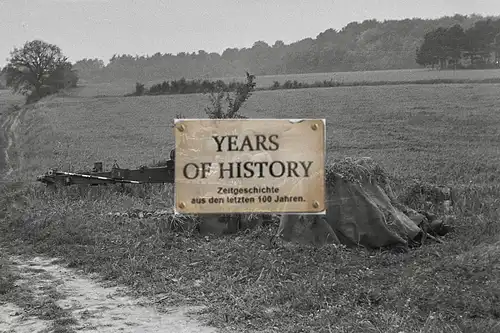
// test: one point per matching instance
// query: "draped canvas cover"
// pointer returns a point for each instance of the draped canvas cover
(359, 212)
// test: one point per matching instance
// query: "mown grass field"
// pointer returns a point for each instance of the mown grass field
(119, 88)
(447, 134)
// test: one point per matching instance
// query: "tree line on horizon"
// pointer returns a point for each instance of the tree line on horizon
(475, 47)
(369, 45)
(448, 42)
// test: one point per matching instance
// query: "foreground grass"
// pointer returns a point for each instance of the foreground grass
(444, 134)
(247, 285)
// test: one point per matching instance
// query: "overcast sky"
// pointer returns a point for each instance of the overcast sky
(100, 28)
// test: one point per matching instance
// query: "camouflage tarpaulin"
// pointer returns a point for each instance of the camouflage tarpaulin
(359, 211)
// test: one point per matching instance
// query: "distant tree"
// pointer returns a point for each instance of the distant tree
(449, 45)
(440, 45)
(479, 39)
(496, 45)
(35, 65)
(63, 76)
(424, 56)
(2, 78)
(278, 44)
(260, 44)
(88, 65)
(202, 55)
(89, 69)
(139, 89)
(455, 42)
(230, 54)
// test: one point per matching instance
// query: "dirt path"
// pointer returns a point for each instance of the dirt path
(52, 298)
(8, 123)
(4, 145)
(81, 304)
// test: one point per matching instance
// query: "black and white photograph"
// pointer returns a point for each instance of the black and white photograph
(260, 166)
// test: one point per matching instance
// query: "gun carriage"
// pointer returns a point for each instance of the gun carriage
(141, 175)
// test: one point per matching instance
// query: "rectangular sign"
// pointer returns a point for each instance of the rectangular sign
(249, 166)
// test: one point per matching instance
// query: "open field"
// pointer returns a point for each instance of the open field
(447, 134)
(122, 87)
(415, 131)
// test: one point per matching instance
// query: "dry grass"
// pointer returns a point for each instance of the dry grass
(444, 134)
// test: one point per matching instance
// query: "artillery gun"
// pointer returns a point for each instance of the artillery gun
(142, 175)
(225, 223)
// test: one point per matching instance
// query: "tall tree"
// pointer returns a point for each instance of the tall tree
(2, 77)
(31, 66)
(89, 68)
(424, 56)
(479, 39)
(428, 53)
(454, 42)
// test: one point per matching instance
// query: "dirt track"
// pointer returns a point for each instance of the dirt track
(7, 137)
(63, 298)
(3, 144)
(91, 306)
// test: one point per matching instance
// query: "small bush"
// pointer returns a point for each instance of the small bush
(139, 89)
(243, 92)
(184, 86)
